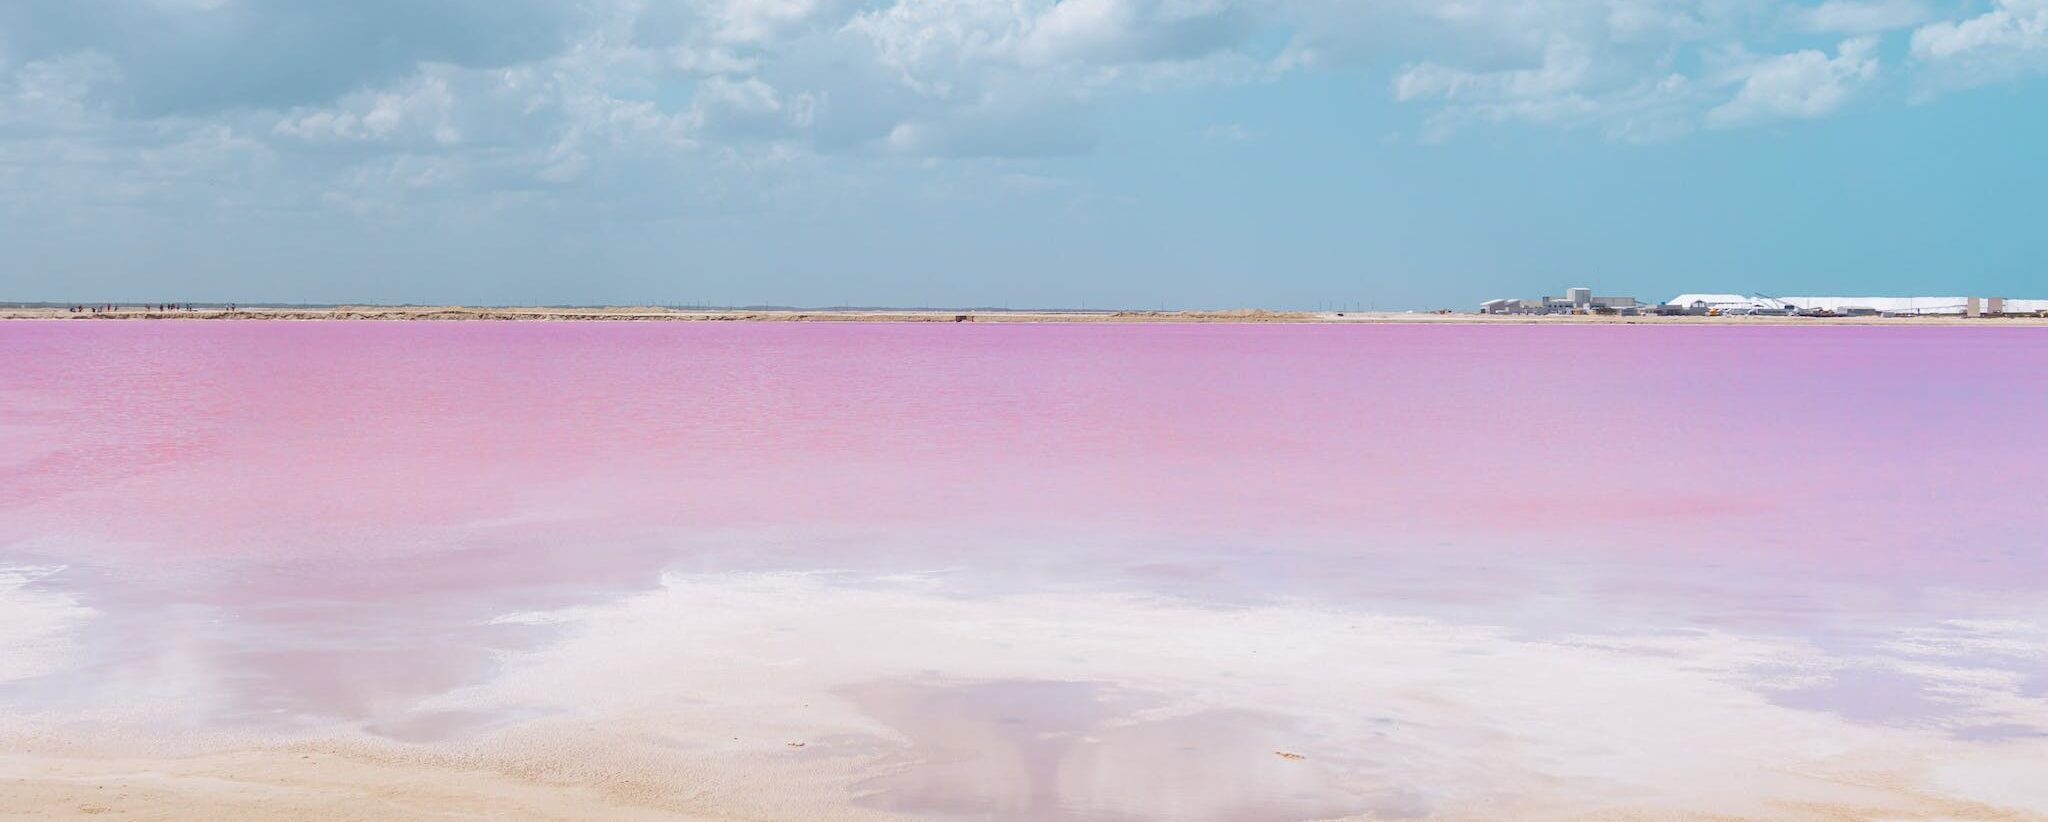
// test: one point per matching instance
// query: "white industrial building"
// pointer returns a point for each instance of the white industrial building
(1922, 305)
(1850, 306)
(1703, 303)
(1574, 301)
(1583, 301)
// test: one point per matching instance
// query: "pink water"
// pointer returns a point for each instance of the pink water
(328, 516)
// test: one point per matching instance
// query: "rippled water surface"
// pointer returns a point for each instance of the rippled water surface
(1189, 571)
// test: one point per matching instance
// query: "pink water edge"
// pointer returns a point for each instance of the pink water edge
(1455, 562)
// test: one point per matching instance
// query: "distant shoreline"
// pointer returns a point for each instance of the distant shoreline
(658, 314)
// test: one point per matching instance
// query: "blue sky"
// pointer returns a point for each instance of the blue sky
(1102, 153)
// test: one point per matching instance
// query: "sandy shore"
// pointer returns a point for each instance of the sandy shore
(263, 785)
(658, 314)
(257, 785)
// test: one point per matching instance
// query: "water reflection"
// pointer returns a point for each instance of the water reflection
(1025, 749)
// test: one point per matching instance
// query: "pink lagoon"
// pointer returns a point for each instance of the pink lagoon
(1062, 571)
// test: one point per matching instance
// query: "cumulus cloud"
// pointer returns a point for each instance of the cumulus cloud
(198, 58)
(514, 95)
(423, 107)
(1803, 84)
(1626, 68)
(2009, 40)
(1567, 88)
(1122, 31)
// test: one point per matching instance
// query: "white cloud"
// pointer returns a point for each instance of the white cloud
(963, 77)
(1800, 85)
(1228, 133)
(1567, 89)
(750, 106)
(1563, 71)
(46, 95)
(926, 42)
(2009, 40)
(1620, 67)
(1863, 16)
(763, 21)
(1124, 31)
(423, 108)
(520, 94)
(214, 58)
(2015, 25)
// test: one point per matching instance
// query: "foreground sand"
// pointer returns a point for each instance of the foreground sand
(552, 772)
(267, 785)
(313, 782)
(646, 313)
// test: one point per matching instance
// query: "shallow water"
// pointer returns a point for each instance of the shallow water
(1057, 571)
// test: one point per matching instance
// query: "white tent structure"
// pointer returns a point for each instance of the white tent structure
(1725, 303)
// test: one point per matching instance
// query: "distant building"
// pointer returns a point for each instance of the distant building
(1892, 306)
(1574, 301)
(1703, 304)
(1737, 304)
(1921, 306)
